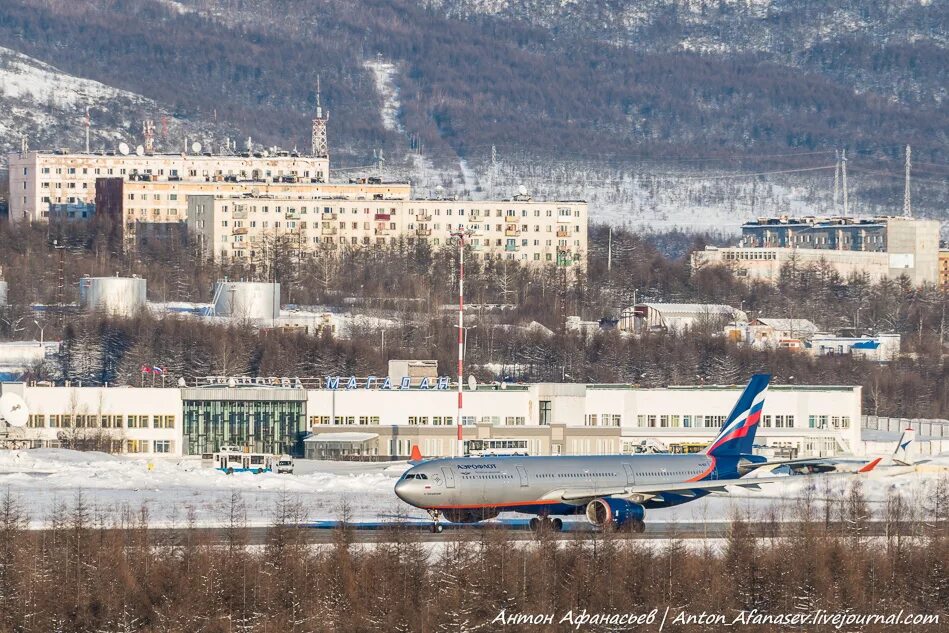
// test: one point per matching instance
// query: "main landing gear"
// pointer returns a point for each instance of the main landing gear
(538, 524)
(437, 528)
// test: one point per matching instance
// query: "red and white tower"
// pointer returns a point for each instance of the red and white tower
(461, 234)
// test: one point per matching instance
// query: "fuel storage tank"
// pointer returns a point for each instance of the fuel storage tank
(121, 296)
(247, 299)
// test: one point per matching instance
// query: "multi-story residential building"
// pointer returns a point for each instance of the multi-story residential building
(236, 228)
(40, 178)
(142, 207)
(884, 247)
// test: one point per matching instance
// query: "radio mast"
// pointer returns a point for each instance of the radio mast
(318, 144)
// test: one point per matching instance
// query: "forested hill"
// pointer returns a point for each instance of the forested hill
(614, 81)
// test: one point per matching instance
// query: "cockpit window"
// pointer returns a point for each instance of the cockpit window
(421, 476)
(409, 477)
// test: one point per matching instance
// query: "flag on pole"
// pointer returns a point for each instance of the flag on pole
(157, 370)
(146, 369)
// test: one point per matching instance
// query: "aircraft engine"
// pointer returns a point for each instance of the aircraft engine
(470, 515)
(611, 512)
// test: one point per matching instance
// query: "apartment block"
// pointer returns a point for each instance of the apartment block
(239, 228)
(144, 207)
(40, 178)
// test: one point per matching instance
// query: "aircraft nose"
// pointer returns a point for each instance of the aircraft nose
(403, 490)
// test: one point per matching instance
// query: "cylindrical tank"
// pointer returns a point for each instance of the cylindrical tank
(247, 299)
(3, 293)
(121, 296)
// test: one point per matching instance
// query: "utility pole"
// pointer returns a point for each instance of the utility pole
(907, 199)
(88, 125)
(836, 179)
(843, 169)
(460, 235)
(609, 252)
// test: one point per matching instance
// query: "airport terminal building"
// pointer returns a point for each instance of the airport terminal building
(380, 418)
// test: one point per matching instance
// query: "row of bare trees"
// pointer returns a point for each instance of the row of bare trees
(95, 569)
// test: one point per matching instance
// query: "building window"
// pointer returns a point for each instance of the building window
(590, 419)
(162, 446)
(546, 412)
(36, 421)
(164, 422)
(137, 446)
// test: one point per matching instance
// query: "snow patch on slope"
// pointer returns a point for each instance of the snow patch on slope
(383, 75)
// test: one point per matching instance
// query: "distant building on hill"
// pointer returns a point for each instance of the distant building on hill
(880, 248)
(766, 332)
(677, 317)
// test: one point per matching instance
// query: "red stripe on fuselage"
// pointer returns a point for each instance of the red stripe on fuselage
(509, 504)
(707, 472)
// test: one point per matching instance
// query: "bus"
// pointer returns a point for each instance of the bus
(235, 459)
(495, 447)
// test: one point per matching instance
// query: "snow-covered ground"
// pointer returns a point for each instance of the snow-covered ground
(46, 478)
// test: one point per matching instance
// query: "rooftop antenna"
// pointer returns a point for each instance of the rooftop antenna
(24, 144)
(843, 172)
(318, 145)
(148, 131)
(907, 200)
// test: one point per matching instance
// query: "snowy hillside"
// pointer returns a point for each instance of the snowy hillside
(48, 107)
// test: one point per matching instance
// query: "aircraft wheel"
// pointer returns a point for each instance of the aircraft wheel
(535, 524)
(638, 527)
(556, 525)
(438, 528)
(229, 471)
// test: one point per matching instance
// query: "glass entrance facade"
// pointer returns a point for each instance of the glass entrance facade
(265, 426)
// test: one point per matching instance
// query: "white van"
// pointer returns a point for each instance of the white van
(284, 465)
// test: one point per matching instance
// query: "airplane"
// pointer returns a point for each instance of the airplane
(899, 458)
(613, 491)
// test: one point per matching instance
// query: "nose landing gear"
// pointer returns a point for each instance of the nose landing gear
(437, 528)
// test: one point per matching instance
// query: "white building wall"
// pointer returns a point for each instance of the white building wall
(153, 403)
(433, 413)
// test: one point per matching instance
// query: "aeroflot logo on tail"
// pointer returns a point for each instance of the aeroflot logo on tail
(476, 466)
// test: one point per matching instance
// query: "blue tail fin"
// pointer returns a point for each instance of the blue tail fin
(738, 433)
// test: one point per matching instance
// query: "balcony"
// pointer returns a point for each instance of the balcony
(510, 219)
(511, 248)
(329, 216)
(382, 231)
(423, 232)
(328, 230)
(239, 231)
(563, 233)
(423, 218)
(512, 232)
(383, 217)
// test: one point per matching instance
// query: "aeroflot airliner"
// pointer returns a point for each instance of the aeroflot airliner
(614, 491)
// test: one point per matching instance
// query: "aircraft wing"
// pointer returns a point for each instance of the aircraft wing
(652, 490)
(814, 464)
(644, 492)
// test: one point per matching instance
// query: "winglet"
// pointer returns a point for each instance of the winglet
(870, 466)
(416, 455)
